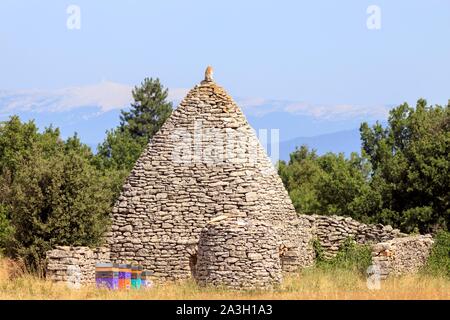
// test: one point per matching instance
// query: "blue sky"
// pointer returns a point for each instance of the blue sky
(313, 67)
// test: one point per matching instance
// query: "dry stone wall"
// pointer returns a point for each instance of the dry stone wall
(332, 231)
(401, 255)
(206, 161)
(239, 254)
(296, 250)
(75, 264)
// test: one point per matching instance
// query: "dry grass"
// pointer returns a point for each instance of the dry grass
(311, 284)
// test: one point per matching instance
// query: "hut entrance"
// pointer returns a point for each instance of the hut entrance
(193, 264)
(282, 254)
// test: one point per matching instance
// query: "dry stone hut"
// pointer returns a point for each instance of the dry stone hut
(204, 200)
(239, 254)
(205, 162)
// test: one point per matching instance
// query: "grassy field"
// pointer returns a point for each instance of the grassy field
(309, 284)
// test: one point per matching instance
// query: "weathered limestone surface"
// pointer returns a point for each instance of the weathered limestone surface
(239, 254)
(401, 255)
(205, 161)
(332, 231)
(64, 262)
(296, 250)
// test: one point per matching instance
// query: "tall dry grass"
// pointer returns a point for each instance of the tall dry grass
(309, 284)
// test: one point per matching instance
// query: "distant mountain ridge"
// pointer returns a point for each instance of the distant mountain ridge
(346, 141)
(294, 130)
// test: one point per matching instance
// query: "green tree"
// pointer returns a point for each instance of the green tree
(300, 176)
(16, 141)
(123, 145)
(329, 184)
(6, 230)
(344, 187)
(51, 194)
(59, 200)
(119, 150)
(149, 110)
(410, 158)
(438, 263)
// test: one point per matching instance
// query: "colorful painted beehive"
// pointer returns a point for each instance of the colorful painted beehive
(124, 276)
(146, 282)
(139, 279)
(107, 275)
(121, 276)
(136, 277)
(128, 277)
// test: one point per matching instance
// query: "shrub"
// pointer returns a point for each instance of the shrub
(6, 229)
(318, 250)
(351, 256)
(439, 261)
(50, 193)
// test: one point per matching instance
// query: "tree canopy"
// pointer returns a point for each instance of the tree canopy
(411, 165)
(328, 184)
(55, 191)
(123, 145)
(149, 110)
(50, 192)
(402, 176)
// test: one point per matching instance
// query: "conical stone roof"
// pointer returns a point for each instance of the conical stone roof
(205, 161)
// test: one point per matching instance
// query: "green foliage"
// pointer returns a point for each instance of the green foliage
(16, 142)
(59, 200)
(52, 193)
(318, 251)
(351, 256)
(119, 151)
(329, 184)
(123, 145)
(344, 189)
(410, 158)
(402, 177)
(149, 110)
(438, 263)
(55, 192)
(300, 177)
(6, 230)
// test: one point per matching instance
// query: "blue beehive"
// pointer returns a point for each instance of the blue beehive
(107, 275)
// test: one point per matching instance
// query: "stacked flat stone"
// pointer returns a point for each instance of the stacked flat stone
(296, 250)
(401, 255)
(239, 254)
(332, 231)
(204, 162)
(65, 262)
